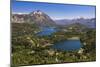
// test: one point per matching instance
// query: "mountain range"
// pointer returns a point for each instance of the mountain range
(87, 22)
(42, 19)
(38, 17)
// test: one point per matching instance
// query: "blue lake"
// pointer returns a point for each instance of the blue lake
(67, 45)
(45, 31)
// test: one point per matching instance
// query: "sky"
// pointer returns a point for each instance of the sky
(55, 11)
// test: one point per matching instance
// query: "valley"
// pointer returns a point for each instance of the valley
(37, 39)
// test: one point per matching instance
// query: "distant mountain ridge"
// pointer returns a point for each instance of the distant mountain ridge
(41, 19)
(88, 22)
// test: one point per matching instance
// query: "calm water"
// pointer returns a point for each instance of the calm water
(67, 45)
(62, 45)
(45, 31)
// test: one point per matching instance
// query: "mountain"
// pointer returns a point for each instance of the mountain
(20, 18)
(77, 27)
(42, 19)
(38, 17)
(87, 22)
(63, 22)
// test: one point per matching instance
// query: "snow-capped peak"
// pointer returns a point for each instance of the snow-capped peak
(37, 12)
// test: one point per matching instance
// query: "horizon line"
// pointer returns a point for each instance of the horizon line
(58, 18)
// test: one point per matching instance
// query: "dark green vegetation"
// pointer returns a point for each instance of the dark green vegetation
(28, 48)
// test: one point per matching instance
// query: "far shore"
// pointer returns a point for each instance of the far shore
(74, 38)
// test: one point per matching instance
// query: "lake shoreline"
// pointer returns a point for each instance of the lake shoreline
(73, 38)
